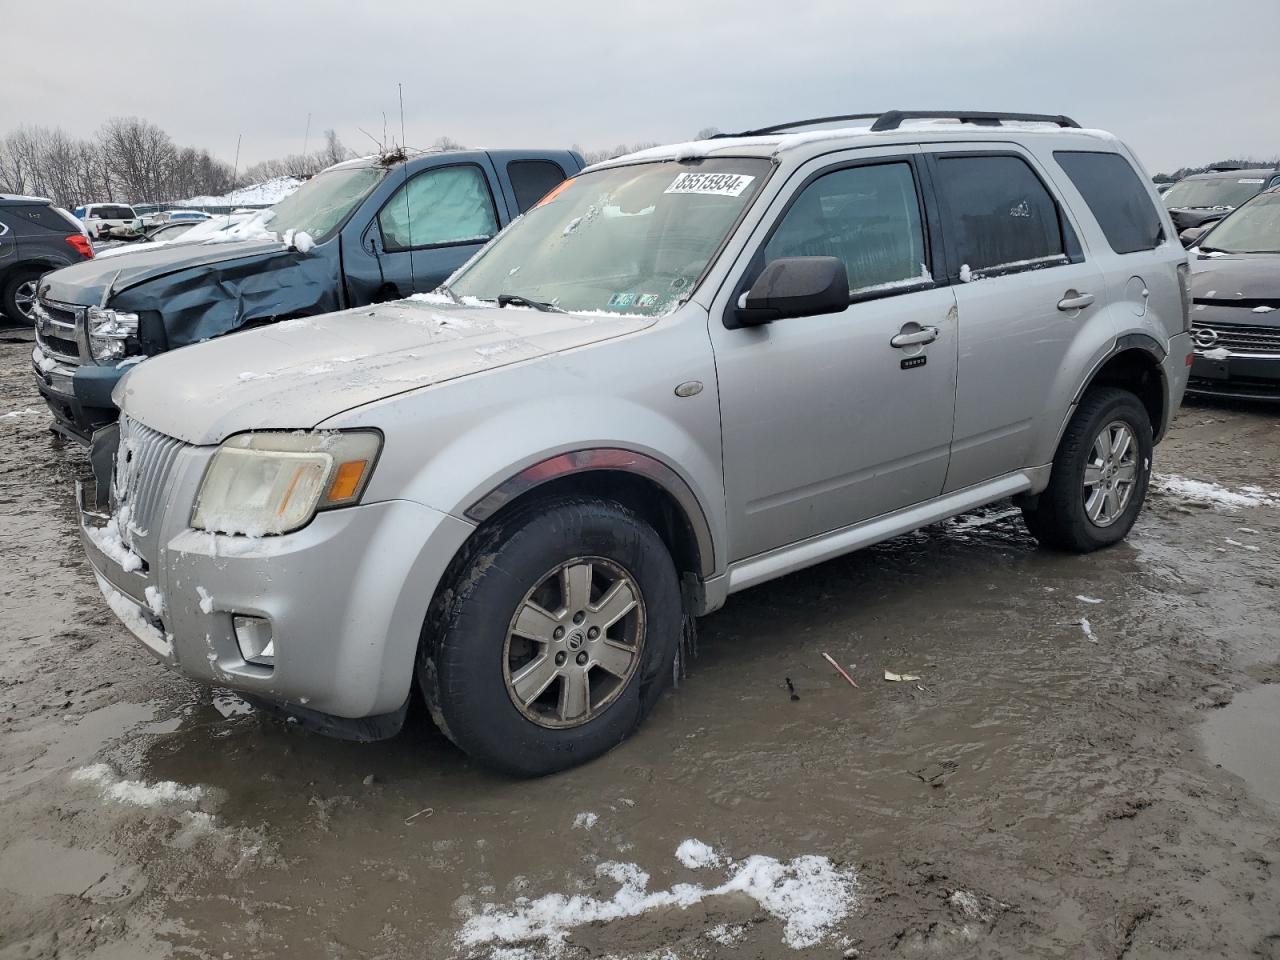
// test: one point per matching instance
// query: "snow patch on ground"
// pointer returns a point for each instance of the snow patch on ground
(1207, 493)
(136, 792)
(695, 855)
(809, 894)
(585, 821)
(257, 194)
(14, 414)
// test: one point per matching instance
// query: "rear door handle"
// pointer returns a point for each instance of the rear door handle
(1073, 300)
(914, 338)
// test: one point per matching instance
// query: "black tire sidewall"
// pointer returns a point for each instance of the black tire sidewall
(8, 295)
(468, 692)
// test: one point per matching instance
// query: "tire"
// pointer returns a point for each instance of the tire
(1069, 515)
(19, 285)
(481, 677)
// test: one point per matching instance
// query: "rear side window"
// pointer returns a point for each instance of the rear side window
(532, 180)
(999, 216)
(109, 212)
(30, 215)
(1117, 198)
(869, 217)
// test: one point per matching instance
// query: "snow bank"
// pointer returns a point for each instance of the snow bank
(257, 194)
(809, 894)
(1206, 493)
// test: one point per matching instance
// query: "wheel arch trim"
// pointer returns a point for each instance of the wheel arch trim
(614, 459)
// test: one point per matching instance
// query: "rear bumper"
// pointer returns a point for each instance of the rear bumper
(345, 597)
(78, 397)
(1243, 375)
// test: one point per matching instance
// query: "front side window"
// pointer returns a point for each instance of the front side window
(869, 217)
(634, 239)
(1117, 197)
(1254, 228)
(998, 215)
(442, 206)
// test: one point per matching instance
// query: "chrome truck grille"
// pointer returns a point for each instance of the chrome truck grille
(144, 461)
(1236, 337)
(56, 330)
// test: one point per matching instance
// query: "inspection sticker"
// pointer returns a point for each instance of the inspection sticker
(1245, 180)
(622, 300)
(715, 184)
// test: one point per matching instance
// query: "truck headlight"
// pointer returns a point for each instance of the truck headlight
(110, 332)
(274, 482)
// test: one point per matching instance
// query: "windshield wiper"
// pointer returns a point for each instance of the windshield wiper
(509, 299)
(448, 292)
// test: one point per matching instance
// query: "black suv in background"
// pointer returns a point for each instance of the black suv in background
(35, 237)
(1204, 198)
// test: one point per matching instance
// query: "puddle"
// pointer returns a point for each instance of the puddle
(1234, 737)
(38, 868)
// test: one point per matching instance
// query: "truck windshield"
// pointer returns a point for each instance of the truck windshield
(1254, 228)
(320, 205)
(633, 239)
(1215, 192)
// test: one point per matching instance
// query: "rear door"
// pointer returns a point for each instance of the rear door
(1023, 290)
(8, 240)
(432, 224)
(833, 419)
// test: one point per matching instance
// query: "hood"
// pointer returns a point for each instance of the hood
(297, 373)
(1236, 276)
(84, 283)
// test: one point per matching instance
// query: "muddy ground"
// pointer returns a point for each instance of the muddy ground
(1039, 792)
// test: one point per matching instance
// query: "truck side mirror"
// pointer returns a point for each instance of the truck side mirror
(795, 287)
(1191, 236)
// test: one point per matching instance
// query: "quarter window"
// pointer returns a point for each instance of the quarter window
(999, 215)
(532, 180)
(1116, 196)
(442, 206)
(867, 216)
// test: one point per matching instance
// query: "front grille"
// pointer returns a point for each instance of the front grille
(144, 461)
(1239, 337)
(56, 331)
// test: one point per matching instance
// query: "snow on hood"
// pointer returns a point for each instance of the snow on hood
(298, 373)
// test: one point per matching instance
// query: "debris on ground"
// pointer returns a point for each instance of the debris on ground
(900, 677)
(840, 670)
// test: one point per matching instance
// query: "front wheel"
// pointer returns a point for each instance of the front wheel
(18, 298)
(1100, 475)
(557, 630)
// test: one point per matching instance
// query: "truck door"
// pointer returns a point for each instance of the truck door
(429, 227)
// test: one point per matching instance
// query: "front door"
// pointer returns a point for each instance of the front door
(833, 419)
(1025, 290)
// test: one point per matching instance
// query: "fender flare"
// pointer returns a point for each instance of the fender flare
(1129, 341)
(607, 459)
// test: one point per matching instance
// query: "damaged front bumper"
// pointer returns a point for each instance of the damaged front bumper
(79, 397)
(344, 600)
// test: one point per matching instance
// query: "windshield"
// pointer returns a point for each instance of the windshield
(632, 239)
(1254, 228)
(1216, 192)
(320, 205)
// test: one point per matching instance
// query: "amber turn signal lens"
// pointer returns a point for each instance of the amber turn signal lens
(346, 480)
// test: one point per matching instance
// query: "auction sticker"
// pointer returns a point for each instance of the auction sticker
(1246, 180)
(713, 184)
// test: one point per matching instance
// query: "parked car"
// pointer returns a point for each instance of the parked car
(173, 216)
(110, 220)
(1235, 318)
(362, 231)
(35, 237)
(681, 374)
(1204, 198)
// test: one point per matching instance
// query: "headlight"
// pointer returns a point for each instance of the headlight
(266, 483)
(110, 332)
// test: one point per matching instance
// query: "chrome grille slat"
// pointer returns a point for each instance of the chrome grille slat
(56, 335)
(1244, 337)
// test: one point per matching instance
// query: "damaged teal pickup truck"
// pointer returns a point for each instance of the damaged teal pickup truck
(364, 231)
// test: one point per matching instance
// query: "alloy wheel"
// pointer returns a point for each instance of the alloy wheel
(1111, 474)
(24, 299)
(574, 643)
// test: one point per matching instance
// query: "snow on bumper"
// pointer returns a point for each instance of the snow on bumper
(345, 598)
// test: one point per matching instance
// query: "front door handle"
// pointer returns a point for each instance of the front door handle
(914, 338)
(1074, 300)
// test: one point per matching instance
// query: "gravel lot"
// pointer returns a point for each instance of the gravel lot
(1087, 766)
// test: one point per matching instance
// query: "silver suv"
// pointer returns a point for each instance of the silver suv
(682, 373)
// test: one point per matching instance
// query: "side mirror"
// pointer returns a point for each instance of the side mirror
(1191, 236)
(795, 287)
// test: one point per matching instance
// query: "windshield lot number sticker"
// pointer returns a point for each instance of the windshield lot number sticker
(713, 184)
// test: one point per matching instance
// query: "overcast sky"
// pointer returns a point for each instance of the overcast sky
(1182, 82)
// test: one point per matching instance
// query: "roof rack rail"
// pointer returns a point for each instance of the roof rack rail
(892, 120)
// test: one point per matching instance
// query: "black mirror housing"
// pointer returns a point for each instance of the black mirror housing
(795, 287)
(1192, 235)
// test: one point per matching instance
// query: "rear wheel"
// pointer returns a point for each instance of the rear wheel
(18, 298)
(558, 631)
(1100, 475)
